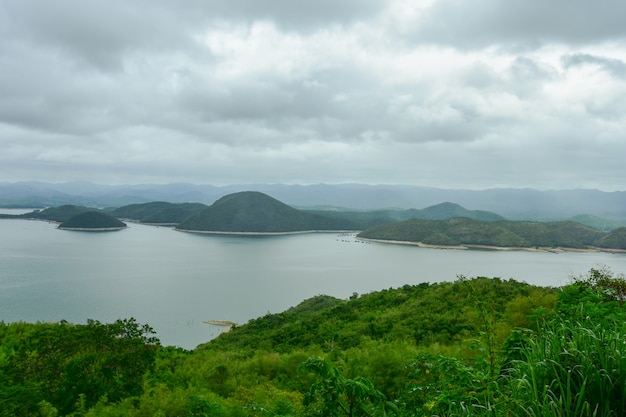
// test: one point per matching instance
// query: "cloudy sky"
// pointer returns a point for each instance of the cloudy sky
(444, 93)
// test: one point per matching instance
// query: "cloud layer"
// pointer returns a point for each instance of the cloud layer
(442, 93)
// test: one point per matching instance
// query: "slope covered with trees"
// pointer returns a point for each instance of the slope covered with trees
(158, 212)
(92, 220)
(255, 212)
(57, 214)
(473, 347)
(515, 234)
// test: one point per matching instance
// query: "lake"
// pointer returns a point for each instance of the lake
(174, 281)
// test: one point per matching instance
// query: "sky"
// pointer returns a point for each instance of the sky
(442, 93)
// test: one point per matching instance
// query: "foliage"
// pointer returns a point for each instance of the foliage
(158, 212)
(251, 211)
(57, 214)
(473, 347)
(526, 234)
(335, 395)
(92, 220)
(62, 363)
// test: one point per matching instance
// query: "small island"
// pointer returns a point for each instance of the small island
(93, 221)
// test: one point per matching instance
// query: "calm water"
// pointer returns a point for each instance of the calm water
(174, 280)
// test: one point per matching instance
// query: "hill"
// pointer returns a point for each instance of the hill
(367, 219)
(479, 347)
(518, 204)
(449, 210)
(255, 212)
(92, 220)
(158, 212)
(513, 234)
(58, 214)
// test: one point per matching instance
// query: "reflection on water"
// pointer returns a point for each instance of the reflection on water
(175, 281)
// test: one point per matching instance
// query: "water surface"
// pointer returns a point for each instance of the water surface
(174, 280)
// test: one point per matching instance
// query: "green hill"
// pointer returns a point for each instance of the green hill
(615, 239)
(517, 234)
(367, 219)
(255, 212)
(158, 212)
(598, 222)
(448, 210)
(93, 220)
(58, 214)
(473, 347)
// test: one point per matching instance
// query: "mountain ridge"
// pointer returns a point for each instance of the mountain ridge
(514, 204)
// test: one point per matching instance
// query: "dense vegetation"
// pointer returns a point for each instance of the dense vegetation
(521, 234)
(92, 220)
(57, 214)
(251, 211)
(366, 219)
(158, 212)
(470, 347)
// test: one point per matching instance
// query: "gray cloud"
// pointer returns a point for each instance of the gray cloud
(446, 93)
(524, 24)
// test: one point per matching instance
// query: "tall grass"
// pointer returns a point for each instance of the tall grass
(570, 368)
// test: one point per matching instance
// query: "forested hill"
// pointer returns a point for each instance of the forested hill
(512, 234)
(417, 314)
(92, 220)
(255, 212)
(158, 212)
(473, 347)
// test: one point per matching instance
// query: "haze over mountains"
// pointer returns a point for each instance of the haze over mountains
(510, 203)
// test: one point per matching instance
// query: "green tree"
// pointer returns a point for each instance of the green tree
(335, 395)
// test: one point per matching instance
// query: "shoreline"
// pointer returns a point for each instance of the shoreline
(494, 248)
(297, 232)
(93, 229)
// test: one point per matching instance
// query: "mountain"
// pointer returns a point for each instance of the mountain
(92, 220)
(515, 234)
(255, 212)
(58, 214)
(448, 210)
(614, 239)
(519, 204)
(158, 212)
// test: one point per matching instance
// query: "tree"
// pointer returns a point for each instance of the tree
(335, 395)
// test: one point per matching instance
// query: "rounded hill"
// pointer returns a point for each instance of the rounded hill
(92, 221)
(255, 212)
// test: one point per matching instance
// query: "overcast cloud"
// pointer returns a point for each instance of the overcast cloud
(442, 93)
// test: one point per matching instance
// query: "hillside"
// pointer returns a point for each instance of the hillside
(158, 212)
(57, 214)
(255, 212)
(473, 347)
(518, 204)
(92, 220)
(367, 219)
(513, 234)
(448, 210)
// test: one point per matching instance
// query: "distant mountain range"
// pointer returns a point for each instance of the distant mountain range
(602, 208)
(445, 224)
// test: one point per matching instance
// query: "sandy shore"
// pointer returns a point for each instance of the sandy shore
(93, 229)
(298, 232)
(498, 248)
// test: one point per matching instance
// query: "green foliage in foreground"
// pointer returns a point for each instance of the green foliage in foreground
(474, 347)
